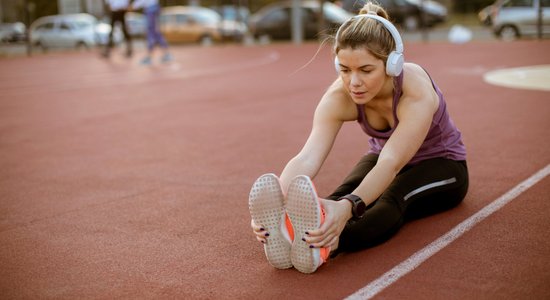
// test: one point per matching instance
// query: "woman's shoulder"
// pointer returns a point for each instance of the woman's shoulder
(415, 78)
(417, 86)
(336, 92)
(412, 70)
(337, 102)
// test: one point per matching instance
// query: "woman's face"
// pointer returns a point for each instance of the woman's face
(363, 74)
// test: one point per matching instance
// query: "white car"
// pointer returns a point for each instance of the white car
(136, 23)
(513, 19)
(12, 32)
(71, 30)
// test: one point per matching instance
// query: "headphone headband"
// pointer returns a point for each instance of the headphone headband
(389, 26)
(394, 65)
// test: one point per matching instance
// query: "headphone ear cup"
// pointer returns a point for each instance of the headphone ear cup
(336, 64)
(394, 64)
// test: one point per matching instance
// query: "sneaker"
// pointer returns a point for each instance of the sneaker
(266, 205)
(306, 213)
(105, 53)
(146, 61)
(166, 58)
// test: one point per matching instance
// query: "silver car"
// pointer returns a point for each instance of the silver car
(12, 32)
(513, 19)
(72, 30)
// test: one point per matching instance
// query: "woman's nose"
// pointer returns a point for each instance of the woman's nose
(355, 80)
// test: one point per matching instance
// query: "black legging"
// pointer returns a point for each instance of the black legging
(426, 188)
(119, 16)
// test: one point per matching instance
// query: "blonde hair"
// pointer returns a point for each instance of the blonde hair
(366, 32)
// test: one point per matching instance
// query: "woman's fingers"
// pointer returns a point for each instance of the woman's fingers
(321, 237)
(259, 231)
(322, 241)
(256, 227)
(329, 232)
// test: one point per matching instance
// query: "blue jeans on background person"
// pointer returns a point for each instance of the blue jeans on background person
(154, 37)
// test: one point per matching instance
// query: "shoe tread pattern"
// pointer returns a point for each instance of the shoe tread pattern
(305, 214)
(266, 204)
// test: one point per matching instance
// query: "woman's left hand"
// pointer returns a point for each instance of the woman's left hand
(337, 214)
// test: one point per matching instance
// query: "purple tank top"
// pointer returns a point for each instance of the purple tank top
(443, 139)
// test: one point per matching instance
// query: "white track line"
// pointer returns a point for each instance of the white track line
(376, 286)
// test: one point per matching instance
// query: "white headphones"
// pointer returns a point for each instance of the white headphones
(394, 64)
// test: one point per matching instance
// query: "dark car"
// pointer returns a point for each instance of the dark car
(275, 20)
(409, 14)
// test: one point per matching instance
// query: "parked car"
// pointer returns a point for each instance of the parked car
(275, 20)
(234, 21)
(136, 23)
(434, 12)
(408, 14)
(13, 32)
(513, 19)
(183, 24)
(71, 30)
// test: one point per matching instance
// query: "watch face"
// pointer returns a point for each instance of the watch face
(360, 208)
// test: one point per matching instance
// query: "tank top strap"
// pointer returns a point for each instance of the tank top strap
(398, 87)
(397, 92)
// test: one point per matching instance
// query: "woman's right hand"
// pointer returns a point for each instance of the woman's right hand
(259, 231)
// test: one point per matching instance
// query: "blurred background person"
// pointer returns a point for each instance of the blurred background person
(118, 9)
(151, 8)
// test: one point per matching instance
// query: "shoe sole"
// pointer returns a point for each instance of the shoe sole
(304, 211)
(266, 205)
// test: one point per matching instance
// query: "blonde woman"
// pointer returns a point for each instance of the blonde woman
(416, 164)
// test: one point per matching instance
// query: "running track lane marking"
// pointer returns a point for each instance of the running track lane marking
(376, 286)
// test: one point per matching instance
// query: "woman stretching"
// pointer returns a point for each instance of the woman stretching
(416, 164)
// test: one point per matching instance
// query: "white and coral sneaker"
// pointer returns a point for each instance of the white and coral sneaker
(266, 205)
(306, 214)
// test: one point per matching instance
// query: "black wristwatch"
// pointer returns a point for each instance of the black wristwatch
(358, 207)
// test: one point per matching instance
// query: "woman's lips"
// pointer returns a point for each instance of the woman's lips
(358, 94)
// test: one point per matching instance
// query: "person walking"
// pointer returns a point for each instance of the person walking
(151, 9)
(416, 164)
(118, 10)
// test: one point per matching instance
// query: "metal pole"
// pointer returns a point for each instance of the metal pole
(423, 22)
(321, 17)
(84, 6)
(26, 8)
(539, 20)
(296, 22)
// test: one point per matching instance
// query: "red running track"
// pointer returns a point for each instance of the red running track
(122, 181)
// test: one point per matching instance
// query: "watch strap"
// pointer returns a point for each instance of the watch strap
(358, 206)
